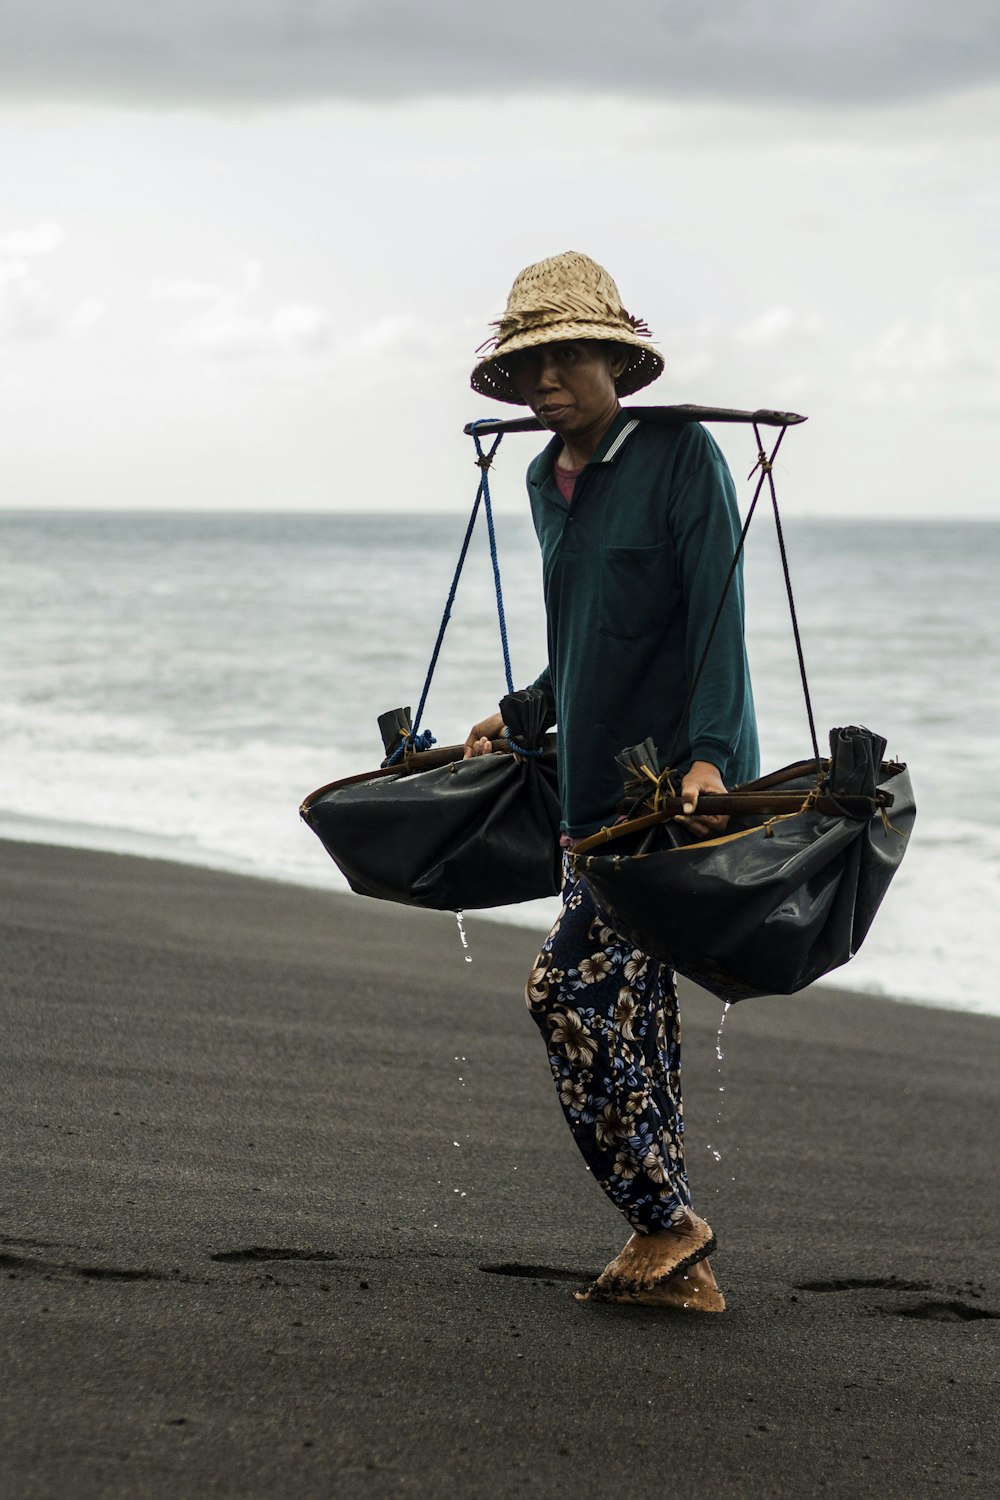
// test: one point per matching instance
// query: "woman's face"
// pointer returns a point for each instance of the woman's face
(569, 385)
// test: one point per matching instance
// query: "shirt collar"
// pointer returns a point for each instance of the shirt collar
(615, 438)
(606, 452)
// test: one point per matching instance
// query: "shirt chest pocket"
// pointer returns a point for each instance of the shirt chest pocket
(636, 593)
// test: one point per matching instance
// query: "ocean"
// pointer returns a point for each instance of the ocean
(172, 685)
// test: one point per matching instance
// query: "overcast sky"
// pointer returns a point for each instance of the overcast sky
(248, 250)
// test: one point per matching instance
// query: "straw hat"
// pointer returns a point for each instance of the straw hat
(566, 297)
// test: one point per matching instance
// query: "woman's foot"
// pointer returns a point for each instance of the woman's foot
(693, 1290)
(649, 1262)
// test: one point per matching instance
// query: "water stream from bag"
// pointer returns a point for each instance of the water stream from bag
(719, 1056)
(460, 919)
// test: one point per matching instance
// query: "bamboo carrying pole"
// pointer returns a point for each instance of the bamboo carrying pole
(664, 416)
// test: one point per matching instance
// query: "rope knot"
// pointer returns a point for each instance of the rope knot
(664, 779)
(520, 752)
(409, 743)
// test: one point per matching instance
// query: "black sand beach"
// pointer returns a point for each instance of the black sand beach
(243, 1254)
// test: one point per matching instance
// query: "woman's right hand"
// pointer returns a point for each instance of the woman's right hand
(481, 736)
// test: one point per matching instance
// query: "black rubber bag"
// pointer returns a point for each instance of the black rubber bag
(458, 837)
(776, 902)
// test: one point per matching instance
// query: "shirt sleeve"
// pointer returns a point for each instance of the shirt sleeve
(706, 525)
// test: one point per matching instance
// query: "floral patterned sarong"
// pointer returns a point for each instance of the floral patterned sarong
(610, 1019)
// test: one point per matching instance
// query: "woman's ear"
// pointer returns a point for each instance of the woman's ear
(619, 362)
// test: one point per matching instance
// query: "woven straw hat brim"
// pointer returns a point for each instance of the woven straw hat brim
(645, 364)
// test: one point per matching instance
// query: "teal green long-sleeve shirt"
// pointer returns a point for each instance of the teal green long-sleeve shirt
(633, 572)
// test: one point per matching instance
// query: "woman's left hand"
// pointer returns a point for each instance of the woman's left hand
(702, 777)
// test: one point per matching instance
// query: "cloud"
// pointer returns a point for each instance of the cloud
(230, 327)
(23, 244)
(777, 325)
(234, 327)
(85, 317)
(948, 360)
(26, 310)
(300, 328)
(186, 291)
(281, 51)
(791, 353)
(945, 361)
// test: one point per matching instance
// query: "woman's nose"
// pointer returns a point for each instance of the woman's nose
(547, 371)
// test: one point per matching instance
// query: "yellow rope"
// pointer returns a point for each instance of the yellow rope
(763, 464)
(887, 827)
(665, 776)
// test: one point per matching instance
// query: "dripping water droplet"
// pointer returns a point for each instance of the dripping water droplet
(718, 1036)
(460, 919)
(720, 1055)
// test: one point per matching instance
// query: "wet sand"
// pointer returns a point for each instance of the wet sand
(244, 1256)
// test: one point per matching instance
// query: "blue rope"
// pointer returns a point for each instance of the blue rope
(493, 555)
(411, 741)
(484, 461)
(519, 749)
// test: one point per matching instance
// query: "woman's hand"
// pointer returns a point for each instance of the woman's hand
(702, 777)
(481, 736)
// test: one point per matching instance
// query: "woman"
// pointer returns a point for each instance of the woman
(637, 525)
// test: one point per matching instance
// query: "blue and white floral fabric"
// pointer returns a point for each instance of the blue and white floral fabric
(610, 1019)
